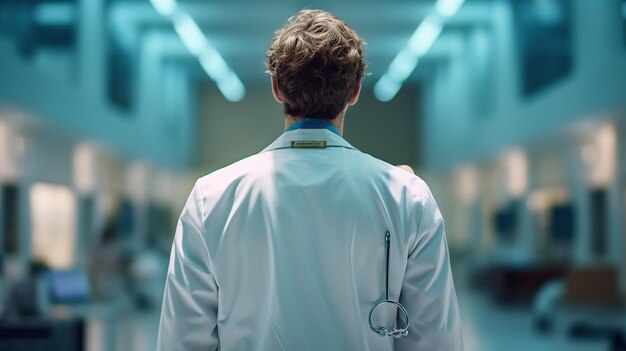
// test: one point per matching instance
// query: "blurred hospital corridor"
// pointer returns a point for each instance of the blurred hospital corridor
(512, 111)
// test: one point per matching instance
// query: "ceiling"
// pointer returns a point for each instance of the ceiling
(242, 29)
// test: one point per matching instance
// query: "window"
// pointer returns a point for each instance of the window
(53, 221)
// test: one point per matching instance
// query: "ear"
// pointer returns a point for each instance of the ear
(276, 92)
(355, 95)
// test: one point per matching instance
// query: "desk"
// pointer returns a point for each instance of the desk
(519, 283)
(101, 322)
(42, 335)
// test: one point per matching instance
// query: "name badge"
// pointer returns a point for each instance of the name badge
(308, 144)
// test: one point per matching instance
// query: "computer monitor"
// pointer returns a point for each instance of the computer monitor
(69, 286)
(10, 198)
(561, 224)
(505, 221)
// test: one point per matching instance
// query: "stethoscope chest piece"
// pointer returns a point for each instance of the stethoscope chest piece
(404, 315)
(395, 332)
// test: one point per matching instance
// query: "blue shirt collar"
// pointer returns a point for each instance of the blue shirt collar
(314, 123)
(285, 140)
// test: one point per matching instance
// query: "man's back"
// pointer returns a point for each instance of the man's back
(286, 250)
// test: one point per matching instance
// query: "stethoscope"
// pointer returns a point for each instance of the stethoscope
(404, 315)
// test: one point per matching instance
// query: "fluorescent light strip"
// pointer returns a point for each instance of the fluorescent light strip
(227, 81)
(449, 8)
(425, 36)
(210, 59)
(386, 88)
(402, 65)
(164, 7)
(214, 65)
(190, 34)
(232, 88)
(419, 44)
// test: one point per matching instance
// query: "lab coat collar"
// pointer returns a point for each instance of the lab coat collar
(332, 139)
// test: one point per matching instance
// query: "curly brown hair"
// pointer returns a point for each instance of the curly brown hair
(317, 62)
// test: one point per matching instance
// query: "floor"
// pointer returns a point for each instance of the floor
(487, 327)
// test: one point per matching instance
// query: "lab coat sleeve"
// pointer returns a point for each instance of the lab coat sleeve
(428, 290)
(189, 313)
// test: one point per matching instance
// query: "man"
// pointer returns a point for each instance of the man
(286, 249)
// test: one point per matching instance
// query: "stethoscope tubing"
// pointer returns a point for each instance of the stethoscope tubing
(381, 330)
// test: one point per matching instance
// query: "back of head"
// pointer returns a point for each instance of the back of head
(317, 62)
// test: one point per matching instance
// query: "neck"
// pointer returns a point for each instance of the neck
(337, 122)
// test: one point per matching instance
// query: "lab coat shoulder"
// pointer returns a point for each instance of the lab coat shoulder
(409, 192)
(229, 177)
(415, 186)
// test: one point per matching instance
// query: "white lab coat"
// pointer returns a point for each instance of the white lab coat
(285, 250)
